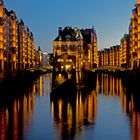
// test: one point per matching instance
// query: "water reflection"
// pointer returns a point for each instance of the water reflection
(112, 86)
(131, 107)
(15, 117)
(79, 115)
(109, 85)
(71, 116)
(17, 113)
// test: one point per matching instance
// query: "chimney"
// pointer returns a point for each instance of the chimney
(59, 30)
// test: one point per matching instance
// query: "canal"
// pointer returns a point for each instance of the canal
(104, 111)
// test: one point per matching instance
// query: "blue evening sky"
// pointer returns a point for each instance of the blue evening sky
(110, 18)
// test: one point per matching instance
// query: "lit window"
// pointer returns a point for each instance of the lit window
(58, 60)
(60, 38)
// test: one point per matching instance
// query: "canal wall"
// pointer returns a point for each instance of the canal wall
(88, 81)
(65, 90)
(15, 86)
(130, 80)
(69, 87)
(12, 83)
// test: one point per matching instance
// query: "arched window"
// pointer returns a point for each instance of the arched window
(72, 48)
(79, 48)
(68, 37)
(60, 38)
(64, 48)
(57, 47)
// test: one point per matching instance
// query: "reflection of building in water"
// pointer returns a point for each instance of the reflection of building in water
(70, 116)
(40, 86)
(108, 84)
(130, 107)
(43, 86)
(15, 117)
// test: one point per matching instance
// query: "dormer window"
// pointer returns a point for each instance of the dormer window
(60, 38)
(68, 38)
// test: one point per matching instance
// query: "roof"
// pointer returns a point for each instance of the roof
(67, 34)
(39, 49)
(86, 35)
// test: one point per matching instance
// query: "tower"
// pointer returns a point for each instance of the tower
(39, 57)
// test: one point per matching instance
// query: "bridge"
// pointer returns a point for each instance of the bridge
(43, 69)
(110, 69)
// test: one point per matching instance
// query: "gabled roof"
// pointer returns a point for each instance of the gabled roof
(66, 34)
(88, 34)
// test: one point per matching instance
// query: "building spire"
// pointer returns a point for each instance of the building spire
(39, 49)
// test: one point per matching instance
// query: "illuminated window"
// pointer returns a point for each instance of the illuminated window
(1, 38)
(60, 38)
(1, 45)
(1, 29)
(58, 60)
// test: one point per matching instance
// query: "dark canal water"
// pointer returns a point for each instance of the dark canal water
(104, 113)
